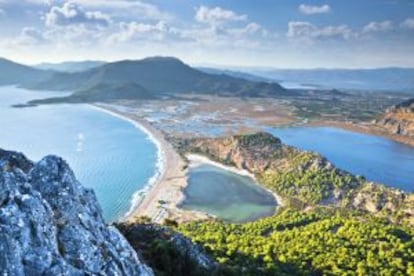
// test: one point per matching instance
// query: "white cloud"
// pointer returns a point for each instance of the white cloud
(138, 9)
(28, 36)
(131, 31)
(408, 23)
(217, 16)
(71, 13)
(306, 30)
(309, 9)
(378, 26)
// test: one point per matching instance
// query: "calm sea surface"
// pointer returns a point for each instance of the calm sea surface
(106, 153)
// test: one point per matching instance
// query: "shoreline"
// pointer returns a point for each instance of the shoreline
(197, 160)
(364, 128)
(138, 196)
(160, 198)
(163, 194)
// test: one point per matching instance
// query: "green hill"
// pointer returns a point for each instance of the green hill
(101, 93)
(159, 75)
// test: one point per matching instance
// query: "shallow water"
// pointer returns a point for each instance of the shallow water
(106, 153)
(227, 195)
(377, 158)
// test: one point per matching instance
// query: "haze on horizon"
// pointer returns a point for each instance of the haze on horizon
(265, 33)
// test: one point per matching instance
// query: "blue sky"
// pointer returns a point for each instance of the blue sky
(265, 33)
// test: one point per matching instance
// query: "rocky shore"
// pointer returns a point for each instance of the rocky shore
(399, 119)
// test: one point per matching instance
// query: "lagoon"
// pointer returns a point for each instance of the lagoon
(227, 195)
(376, 158)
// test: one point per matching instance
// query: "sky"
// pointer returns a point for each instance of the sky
(259, 33)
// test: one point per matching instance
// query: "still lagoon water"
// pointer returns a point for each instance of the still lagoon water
(227, 195)
(106, 153)
(378, 159)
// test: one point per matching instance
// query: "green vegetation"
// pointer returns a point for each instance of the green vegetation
(101, 93)
(320, 242)
(340, 224)
(257, 139)
(355, 106)
(303, 179)
(333, 223)
(308, 178)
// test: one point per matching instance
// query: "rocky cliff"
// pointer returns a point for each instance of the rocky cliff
(51, 225)
(167, 251)
(301, 178)
(398, 119)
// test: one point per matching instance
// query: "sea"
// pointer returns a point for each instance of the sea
(114, 157)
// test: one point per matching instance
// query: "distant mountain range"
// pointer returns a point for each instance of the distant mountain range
(70, 66)
(149, 78)
(236, 74)
(382, 79)
(17, 74)
(153, 77)
(130, 79)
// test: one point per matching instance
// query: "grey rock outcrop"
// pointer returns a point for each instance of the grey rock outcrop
(191, 254)
(51, 225)
(398, 119)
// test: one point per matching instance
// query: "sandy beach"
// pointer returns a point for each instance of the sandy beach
(160, 199)
(162, 195)
(196, 160)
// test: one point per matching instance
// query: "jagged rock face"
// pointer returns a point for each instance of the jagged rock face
(399, 119)
(51, 225)
(376, 198)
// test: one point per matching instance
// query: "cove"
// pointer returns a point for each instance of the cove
(226, 195)
(376, 158)
(106, 153)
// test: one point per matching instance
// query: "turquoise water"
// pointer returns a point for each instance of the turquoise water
(227, 195)
(378, 159)
(106, 153)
